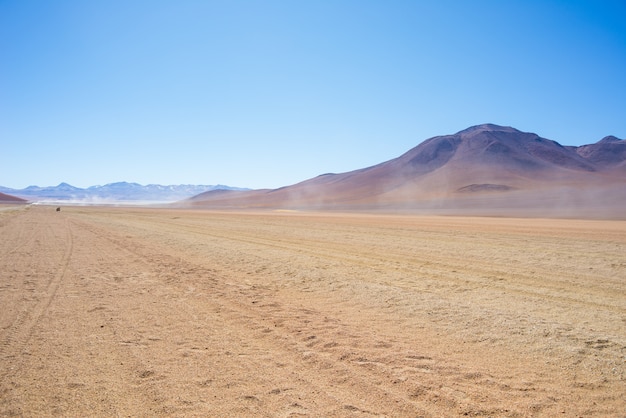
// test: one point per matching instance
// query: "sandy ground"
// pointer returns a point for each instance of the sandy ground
(137, 312)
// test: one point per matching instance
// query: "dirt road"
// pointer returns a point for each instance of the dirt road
(137, 312)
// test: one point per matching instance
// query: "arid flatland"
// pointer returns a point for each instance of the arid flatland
(155, 312)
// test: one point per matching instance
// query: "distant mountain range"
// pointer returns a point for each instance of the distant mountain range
(485, 169)
(121, 191)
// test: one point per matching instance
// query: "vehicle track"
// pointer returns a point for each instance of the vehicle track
(476, 272)
(17, 335)
(305, 337)
(247, 323)
(24, 238)
(262, 250)
(167, 313)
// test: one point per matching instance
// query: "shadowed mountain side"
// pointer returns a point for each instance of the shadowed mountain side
(7, 198)
(481, 169)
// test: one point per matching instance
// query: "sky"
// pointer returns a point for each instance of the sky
(264, 94)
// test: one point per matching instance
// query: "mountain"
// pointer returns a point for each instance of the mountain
(608, 152)
(485, 169)
(5, 198)
(121, 191)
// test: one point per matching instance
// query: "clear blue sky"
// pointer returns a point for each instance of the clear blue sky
(268, 93)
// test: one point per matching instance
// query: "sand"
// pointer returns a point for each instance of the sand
(154, 312)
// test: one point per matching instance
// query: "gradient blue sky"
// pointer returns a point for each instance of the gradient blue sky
(268, 93)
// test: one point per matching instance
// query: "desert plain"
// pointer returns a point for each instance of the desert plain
(159, 312)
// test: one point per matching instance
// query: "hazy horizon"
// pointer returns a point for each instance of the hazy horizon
(267, 94)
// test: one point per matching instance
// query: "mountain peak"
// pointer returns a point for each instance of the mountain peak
(609, 138)
(65, 186)
(486, 127)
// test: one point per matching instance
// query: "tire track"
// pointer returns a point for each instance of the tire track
(331, 356)
(251, 293)
(18, 334)
(320, 367)
(476, 273)
(24, 238)
(465, 282)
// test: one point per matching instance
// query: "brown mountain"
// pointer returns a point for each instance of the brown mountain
(608, 152)
(7, 198)
(485, 169)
